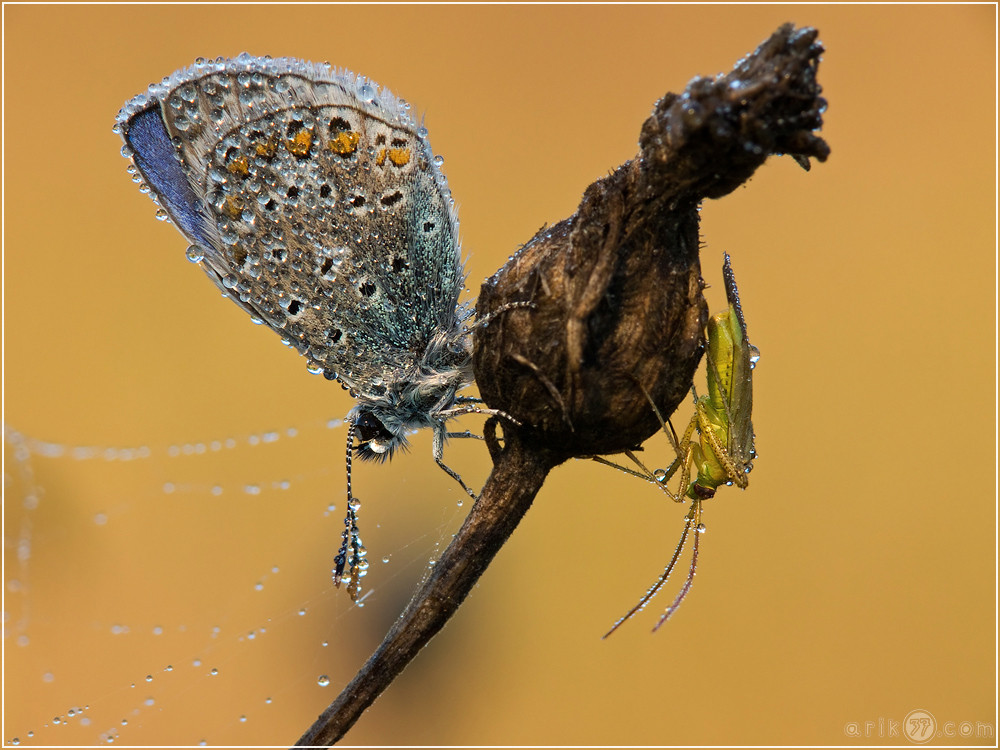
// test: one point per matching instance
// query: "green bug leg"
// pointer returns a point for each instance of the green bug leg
(643, 473)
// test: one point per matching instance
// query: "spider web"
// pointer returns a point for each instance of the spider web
(181, 593)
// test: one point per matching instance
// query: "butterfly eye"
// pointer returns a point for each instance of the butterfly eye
(370, 429)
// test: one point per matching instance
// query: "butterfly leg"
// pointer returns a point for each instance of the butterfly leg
(439, 436)
(465, 434)
(460, 410)
(485, 320)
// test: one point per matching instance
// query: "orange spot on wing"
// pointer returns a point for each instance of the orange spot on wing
(240, 166)
(300, 143)
(399, 156)
(345, 142)
(267, 148)
(233, 207)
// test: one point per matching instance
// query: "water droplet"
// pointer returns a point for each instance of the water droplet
(195, 253)
(701, 528)
(323, 680)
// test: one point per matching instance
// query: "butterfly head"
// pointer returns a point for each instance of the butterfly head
(376, 441)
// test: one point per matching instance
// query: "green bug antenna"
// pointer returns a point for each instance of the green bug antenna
(664, 577)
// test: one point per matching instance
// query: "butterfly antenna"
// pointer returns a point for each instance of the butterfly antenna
(659, 583)
(693, 522)
(350, 538)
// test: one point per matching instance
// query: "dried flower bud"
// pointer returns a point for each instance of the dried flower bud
(616, 293)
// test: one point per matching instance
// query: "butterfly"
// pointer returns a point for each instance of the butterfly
(311, 198)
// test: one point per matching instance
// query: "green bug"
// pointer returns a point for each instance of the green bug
(724, 450)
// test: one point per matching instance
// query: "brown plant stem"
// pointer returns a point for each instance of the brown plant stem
(517, 476)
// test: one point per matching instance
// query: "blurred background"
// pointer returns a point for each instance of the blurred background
(169, 466)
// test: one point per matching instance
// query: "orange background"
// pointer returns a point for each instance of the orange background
(852, 582)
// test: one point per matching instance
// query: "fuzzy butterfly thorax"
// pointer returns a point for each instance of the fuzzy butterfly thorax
(408, 403)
